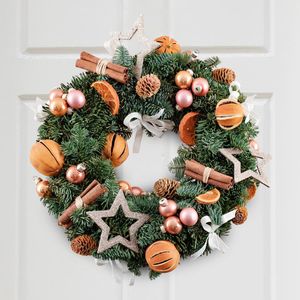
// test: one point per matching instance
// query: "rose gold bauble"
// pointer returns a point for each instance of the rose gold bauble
(137, 191)
(42, 188)
(188, 216)
(184, 98)
(74, 175)
(172, 225)
(55, 93)
(184, 79)
(124, 186)
(167, 207)
(253, 145)
(200, 86)
(58, 107)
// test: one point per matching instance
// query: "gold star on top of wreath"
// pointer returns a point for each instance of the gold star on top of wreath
(138, 30)
(105, 242)
(238, 175)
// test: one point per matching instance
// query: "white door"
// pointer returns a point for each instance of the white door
(259, 39)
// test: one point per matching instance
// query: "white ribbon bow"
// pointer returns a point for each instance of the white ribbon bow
(39, 114)
(118, 269)
(135, 121)
(213, 240)
(248, 106)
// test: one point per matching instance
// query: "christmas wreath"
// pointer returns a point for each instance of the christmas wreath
(83, 138)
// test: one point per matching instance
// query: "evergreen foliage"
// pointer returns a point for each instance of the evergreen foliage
(82, 136)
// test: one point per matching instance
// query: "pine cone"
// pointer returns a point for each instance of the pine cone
(147, 86)
(83, 244)
(166, 188)
(223, 75)
(241, 215)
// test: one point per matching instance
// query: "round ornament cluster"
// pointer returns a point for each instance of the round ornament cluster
(83, 138)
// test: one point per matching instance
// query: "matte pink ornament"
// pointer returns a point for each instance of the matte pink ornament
(55, 93)
(172, 225)
(167, 207)
(76, 99)
(188, 216)
(75, 175)
(200, 86)
(184, 98)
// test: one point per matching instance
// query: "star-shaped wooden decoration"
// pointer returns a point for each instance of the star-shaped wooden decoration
(105, 243)
(238, 175)
(138, 30)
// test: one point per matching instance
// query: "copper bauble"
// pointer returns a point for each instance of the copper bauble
(184, 79)
(167, 208)
(46, 157)
(172, 225)
(137, 191)
(58, 107)
(42, 188)
(75, 175)
(162, 256)
(124, 186)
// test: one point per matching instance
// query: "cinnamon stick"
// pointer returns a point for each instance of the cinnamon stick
(94, 59)
(88, 196)
(222, 185)
(198, 168)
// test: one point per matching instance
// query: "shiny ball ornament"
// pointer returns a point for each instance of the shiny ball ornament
(42, 188)
(172, 225)
(184, 79)
(75, 174)
(58, 107)
(188, 216)
(200, 86)
(47, 157)
(115, 149)
(137, 191)
(184, 98)
(162, 256)
(167, 208)
(55, 93)
(229, 114)
(124, 186)
(253, 145)
(76, 99)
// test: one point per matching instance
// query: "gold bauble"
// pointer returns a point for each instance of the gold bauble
(58, 107)
(184, 79)
(42, 188)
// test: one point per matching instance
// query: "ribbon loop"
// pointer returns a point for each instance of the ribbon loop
(135, 121)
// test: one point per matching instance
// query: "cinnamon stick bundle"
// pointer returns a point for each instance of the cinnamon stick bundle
(90, 63)
(196, 170)
(87, 197)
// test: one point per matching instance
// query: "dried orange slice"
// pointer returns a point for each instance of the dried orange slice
(108, 94)
(187, 128)
(209, 197)
(251, 191)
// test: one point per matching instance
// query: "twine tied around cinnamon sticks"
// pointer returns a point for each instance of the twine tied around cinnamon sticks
(208, 175)
(102, 66)
(87, 197)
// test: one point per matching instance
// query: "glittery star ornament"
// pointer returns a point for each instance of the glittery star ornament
(138, 31)
(238, 175)
(106, 243)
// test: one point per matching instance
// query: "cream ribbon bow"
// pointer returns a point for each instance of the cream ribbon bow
(248, 106)
(213, 240)
(135, 121)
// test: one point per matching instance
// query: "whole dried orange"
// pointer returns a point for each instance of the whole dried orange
(187, 128)
(209, 197)
(251, 191)
(167, 45)
(108, 94)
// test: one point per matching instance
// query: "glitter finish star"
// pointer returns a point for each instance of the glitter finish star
(238, 175)
(106, 243)
(138, 31)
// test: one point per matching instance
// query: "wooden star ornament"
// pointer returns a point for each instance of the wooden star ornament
(238, 175)
(106, 243)
(138, 30)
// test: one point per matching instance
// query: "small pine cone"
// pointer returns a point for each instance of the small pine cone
(83, 244)
(241, 215)
(223, 75)
(166, 188)
(147, 86)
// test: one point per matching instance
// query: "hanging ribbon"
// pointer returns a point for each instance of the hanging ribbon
(213, 240)
(118, 269)
(39, 114)
(248, 109)
(135, 121)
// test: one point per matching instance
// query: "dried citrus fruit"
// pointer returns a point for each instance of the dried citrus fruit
(209, 197)
(187, 128)
(108, 94)
(167, 45)
(251, 190)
